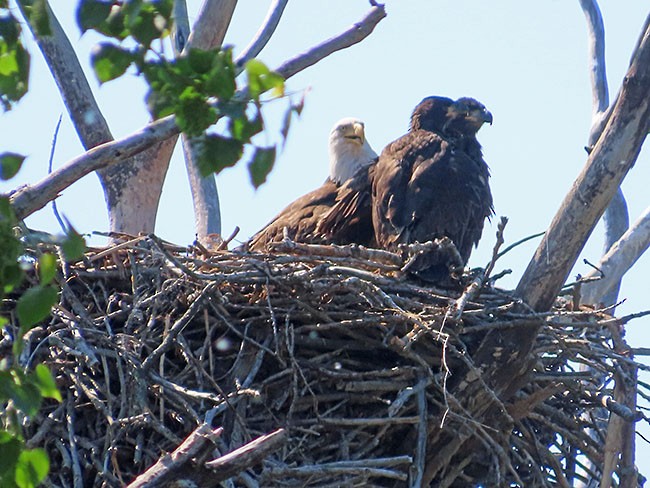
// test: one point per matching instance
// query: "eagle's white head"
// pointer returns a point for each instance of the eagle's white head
(348, 149)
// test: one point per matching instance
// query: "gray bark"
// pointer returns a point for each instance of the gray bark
(617, 261)
(616, 217)
(610, 160)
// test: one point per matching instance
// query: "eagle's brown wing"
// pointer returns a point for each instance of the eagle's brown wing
(350, 219)
(300, 218)
(425, 188)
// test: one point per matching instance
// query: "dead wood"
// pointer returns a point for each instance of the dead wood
(373, 377)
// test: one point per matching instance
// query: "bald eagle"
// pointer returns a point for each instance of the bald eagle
(433, 182)
(349, 154)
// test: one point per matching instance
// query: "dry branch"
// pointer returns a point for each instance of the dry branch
(616, 216)
(356, 372)
(135, 184)
(355, 34)
(168, 468)
(27, 200)
(264, 34)
(618, 260)
(31, 198)
(612, 157)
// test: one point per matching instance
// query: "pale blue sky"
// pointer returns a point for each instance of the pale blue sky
(526, 61)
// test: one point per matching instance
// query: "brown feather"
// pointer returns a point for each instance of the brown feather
(431, 183)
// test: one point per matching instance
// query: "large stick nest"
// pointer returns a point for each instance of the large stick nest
(353, 360)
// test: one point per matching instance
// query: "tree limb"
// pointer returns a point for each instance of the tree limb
(88, 120)
(618, 260)
(29, 199)
(264, 33)
(205, 196)
(165, 470)
(351, 36)
(612, 157)
(211, 25)
(181, 31)
(597, 69)
(132, 190)
(246, 456)
(616, 216)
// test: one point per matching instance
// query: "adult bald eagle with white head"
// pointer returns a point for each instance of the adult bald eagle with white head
(433, 182)
(350, 156)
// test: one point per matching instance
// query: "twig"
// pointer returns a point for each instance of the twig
(209, 29)
(355, 34)
(28, 200)
(473, 289)
(64, 228)
(179, 325)
(166, 469)
(246, 456)
(264, 33)
(333, 250)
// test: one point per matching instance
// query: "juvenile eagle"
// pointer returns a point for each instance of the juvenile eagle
(433, 182)
(349, 153)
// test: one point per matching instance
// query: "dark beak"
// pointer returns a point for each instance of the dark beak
(487, 117)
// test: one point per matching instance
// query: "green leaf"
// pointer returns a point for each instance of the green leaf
(14, 73)
(6, 210)
(286, 124)
(261, 165)
(261, 79)
(25, 396)
(10, 164)
(110, 61)
(243, 129)
(220, 81)
(74, 245)
(42, 378)
(11, 276)
(200, 61)
(218, 152)
(35, 305)
(148, 24)
(9, 30)
(193, 113)
(32, 468)
(7, 385)
(91, 14)
(39, 18)
(10, 448)
(47, 268)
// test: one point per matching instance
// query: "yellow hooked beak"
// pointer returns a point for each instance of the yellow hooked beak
(355, 132)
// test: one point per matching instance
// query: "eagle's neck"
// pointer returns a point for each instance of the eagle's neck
(347, 157)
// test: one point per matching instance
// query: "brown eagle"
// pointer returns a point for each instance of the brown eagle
(433, 182)
(349, 154)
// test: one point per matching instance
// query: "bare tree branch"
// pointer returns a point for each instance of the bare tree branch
(264, 33)
(210, 27)
(29, 199)
(199, 443)
(205, 196)
(208, 33)
(88, 120)
(597, 70)
(618, 260)
(132, 191)
(355, 34)
(616, 216)
(181, 31)
(612, 157)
